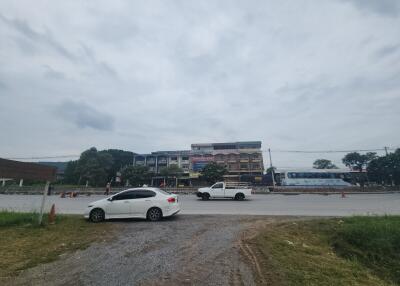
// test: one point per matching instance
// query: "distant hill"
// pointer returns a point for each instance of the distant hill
(59, 165)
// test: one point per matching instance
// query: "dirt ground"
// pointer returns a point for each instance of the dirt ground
(183, 250)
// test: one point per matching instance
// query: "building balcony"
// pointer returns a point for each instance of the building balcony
(233, 170)
(243, 160)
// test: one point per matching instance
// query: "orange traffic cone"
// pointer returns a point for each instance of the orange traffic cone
(52, 215)
(343, 195)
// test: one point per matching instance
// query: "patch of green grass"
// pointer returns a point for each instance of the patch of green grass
(350, 251)
(8, 218)
(373, 242)
(23, 244)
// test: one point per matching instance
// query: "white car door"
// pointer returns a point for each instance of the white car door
(142, 202)
(217, 190)
(120, 204)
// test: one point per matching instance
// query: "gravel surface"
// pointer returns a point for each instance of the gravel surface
(272, 204)
(183, 250)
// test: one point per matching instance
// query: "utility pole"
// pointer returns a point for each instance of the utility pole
(42, 205)
(272, 168)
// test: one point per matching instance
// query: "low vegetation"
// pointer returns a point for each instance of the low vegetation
(8, 219)
(24, 244)
(350, 251)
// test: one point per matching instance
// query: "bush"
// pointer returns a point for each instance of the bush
(8, 218)
(374, 242)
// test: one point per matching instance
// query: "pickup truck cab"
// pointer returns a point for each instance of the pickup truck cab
(224, 190)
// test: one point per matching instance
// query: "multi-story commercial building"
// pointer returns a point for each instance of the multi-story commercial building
(239, 158)
(155, 161)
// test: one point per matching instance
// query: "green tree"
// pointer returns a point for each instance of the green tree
(386, 169)
(71, 174)
(94, 167)
(270, 169)
(213, 172)
(121, 159)
(357, 161)
(324, 164)
(137, 175)
(171, 170)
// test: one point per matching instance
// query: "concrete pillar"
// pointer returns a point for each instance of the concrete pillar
(3, 184)
(21, 182)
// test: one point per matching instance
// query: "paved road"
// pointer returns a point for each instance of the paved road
(272, 204)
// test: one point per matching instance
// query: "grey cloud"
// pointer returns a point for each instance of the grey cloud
(51, 73)
(388, 50)
(26, 46)
(83, 115)
(48, 40)
(383, 7)
(37, 37)
(103, 67)
(3, 86)
(190, 71)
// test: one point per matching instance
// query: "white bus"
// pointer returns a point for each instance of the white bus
(315, 177)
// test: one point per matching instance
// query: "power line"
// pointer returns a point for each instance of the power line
(272, 150)
(328, 151)
(43, 157)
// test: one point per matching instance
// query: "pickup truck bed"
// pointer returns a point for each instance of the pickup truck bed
(223, 190)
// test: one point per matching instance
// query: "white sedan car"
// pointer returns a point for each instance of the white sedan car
(150, 203)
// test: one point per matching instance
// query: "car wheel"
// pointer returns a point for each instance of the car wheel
(239, 197)
(205, 197)
(154, 214)
(97, 215)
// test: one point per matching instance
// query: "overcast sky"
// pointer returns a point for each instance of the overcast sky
(160, 75)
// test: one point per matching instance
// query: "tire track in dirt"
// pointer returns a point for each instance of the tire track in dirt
(185, 250)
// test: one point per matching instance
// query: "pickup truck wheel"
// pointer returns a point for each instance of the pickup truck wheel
(239, 197)
(205, 197)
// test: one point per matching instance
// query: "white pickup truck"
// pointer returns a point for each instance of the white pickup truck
(224, 190)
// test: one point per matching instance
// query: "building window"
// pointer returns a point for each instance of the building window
(233, 167)
(219, 157)
(244, 166)
(224, 147)
(232, 157)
